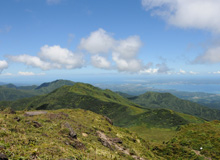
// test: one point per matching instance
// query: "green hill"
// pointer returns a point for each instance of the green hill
(11, 92)
(50, 86)
(169, 101)
(123, 112)
(67, 134)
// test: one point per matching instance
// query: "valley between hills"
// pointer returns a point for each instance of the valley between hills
(67, 120)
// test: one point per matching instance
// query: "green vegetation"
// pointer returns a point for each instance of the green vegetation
(11, 92)
(123, 112)
(48, 136)
(168, 101)
(201, 139)
(77, 133)
(51, 86)
(14, 93)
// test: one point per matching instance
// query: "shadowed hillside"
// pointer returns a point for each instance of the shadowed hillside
(168, 101)
(11, 92)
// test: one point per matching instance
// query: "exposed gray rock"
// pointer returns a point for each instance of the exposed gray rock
(72, 133)
(34, 113)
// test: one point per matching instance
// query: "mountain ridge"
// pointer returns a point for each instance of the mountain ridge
(168, 101)
(85, 96)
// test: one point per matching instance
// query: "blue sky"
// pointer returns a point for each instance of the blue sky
(52, 39)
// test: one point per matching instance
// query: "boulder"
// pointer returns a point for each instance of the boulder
(36, 124)
(34, 113)
(72, 133)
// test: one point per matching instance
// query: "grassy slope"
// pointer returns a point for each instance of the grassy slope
(21, 140)
(191, 138)
(168, 101)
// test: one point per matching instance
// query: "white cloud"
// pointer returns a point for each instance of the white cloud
(3, 65)
(98, 42)
(218, 72)
(53, 1)
(127, 65)
(61, 57)
(163, 68)
(182, 71)
(100, 62)
(211, 56)
(199, 14)
(128, 48)
(192, 72)
(123, 52)
(30, 73)
(53, 57)
(32, 61)
(160, 69)
(26, 73)
(149, 71)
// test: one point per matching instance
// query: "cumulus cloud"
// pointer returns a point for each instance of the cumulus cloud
(98, 42)
(127, 65)
(123, 52)
(128, 48)
(53, 57)
(31, 61)
(100, 62)
(61, 57)
(199, 14)
(3, 65)
(149, 71)
(162, 68)
(182, 71)
(211, 56)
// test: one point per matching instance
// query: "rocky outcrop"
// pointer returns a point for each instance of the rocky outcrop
(114, 143)
(72, 133)
(34, 113)
(108, 119)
